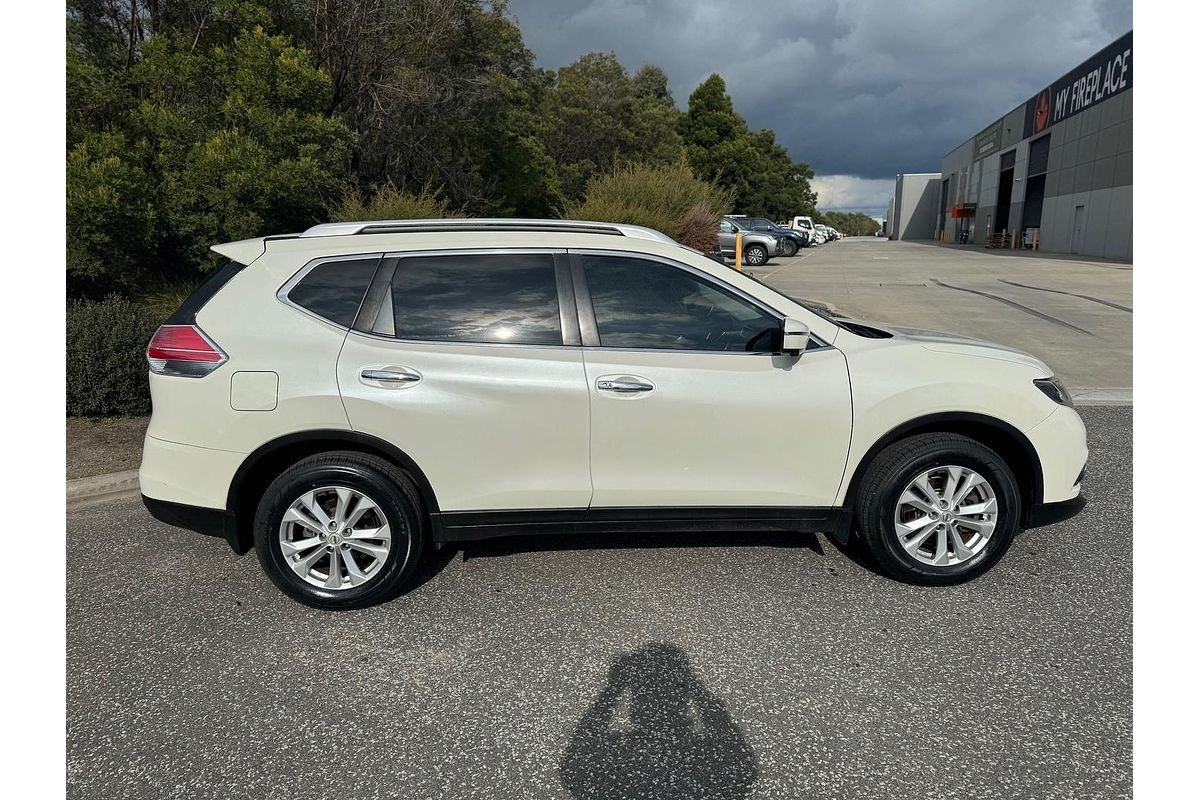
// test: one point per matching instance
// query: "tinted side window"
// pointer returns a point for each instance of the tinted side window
(648, 304)
(496, 299)
(334, 290)
(726, 226)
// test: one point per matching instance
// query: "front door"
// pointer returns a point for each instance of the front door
(690, 408)
(465, 369)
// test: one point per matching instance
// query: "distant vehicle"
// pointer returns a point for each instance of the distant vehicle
(792, 240)
(806, 224)
(757, 246)
(824, 231)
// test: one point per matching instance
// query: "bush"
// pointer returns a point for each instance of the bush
(106, 357)
(388, 202)
(670, 199)
(698, 228)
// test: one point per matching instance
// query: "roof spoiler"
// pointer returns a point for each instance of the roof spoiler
(244, 251)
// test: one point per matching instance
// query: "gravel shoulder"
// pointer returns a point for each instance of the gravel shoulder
(101, 446)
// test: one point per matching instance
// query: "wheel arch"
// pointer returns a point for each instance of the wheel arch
(269, 461)
(1005, 439)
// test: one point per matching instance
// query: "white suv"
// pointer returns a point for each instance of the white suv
(344, 398)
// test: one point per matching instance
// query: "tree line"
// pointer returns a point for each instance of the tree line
(850, 223)
(191, 122)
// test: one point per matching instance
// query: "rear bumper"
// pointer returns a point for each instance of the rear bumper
(188, 487)
(187, 474)
(208, 521)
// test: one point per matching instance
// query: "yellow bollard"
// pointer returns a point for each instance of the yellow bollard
(1035, 238)
(737, 252)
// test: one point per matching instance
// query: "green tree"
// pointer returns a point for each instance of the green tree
(599, 118)
(189, 140)
(756, 170)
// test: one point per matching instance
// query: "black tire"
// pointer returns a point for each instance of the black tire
(788, 248)
(393, 492)
(759, 258)
(890, 473)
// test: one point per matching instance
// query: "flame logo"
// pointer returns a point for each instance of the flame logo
(1041, 114)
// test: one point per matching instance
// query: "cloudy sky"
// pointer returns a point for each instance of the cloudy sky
(860, 89)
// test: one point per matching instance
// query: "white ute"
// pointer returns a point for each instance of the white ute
(342, 399)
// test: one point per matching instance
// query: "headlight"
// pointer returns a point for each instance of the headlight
(1053, 388)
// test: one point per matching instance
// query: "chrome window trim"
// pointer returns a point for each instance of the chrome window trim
(703, 275)
(282, 293)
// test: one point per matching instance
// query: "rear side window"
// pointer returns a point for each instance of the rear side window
(334, 290)
(509, 298)
(186, 313)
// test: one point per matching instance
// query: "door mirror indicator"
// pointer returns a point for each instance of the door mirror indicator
(795, 337)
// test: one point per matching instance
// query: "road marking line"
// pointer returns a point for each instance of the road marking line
(1117, 306)
(1031, 311)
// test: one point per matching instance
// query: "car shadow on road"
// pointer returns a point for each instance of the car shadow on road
(656, 732)
(512, 545)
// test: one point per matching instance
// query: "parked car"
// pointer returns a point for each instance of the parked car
(757, 246)
(825, 233)
(806, 224)
(343, 399)
(790, 241)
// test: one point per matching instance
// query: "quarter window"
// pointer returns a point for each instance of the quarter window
(649, 304)
(334, 290)
(504, 298)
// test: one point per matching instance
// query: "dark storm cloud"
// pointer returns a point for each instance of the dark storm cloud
(862, 88)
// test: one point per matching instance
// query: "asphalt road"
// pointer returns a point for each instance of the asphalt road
(764, 666)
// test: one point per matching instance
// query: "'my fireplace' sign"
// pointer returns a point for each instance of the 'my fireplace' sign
(1104, 75)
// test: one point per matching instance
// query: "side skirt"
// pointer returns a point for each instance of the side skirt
(468, 526)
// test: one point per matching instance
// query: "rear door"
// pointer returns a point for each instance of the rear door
(468, 361)
(690, 407)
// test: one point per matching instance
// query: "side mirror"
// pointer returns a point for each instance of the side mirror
(795, 337)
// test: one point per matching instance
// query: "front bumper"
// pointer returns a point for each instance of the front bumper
(1061, 444)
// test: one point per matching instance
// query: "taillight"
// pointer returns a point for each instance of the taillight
(183, 350)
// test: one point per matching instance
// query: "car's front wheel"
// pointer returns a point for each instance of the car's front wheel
(340, 530)
(788, 248)
(938, 508)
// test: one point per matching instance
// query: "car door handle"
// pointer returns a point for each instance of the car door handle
(624, 385)
(392, 377)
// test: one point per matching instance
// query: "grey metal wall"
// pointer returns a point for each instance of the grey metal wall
(916, 206)
(1089, 182)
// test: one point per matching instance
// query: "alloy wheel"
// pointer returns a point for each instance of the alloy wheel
(946, 515)
(335, 537)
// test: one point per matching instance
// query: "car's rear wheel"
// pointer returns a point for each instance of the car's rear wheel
(938, 508)
(788, 248)
(755, 255)
(340, 530)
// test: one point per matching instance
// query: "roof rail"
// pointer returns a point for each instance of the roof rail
(496, 224)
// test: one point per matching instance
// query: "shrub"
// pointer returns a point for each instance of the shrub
(106, 357)
(670, 199)
(388, 202)
(162, 301)
(698, 228)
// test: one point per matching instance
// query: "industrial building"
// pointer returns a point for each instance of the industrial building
(1055, 173)
(913, 212)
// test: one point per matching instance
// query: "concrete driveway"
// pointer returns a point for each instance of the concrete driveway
(1076, 315)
